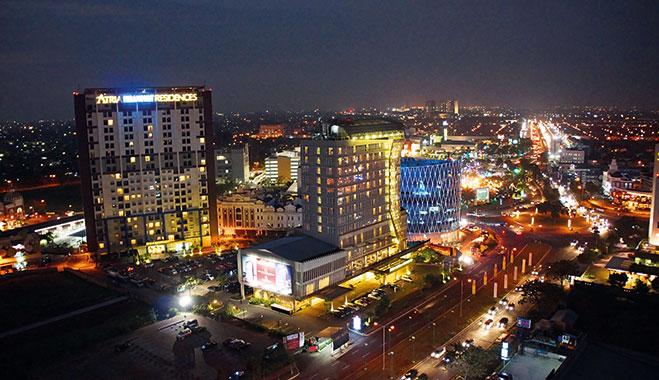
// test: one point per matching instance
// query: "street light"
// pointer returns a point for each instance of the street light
(185, 301)
(413, 338)
(384, 342)
(391, 365)
(433, 333)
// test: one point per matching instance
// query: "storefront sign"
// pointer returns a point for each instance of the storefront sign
(267, 275)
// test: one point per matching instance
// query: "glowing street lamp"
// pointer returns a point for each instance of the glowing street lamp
(185, 301)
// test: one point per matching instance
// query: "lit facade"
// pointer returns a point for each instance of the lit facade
(430, 192)
(653, 229)
(240, 213)
(147, 169)
(283, 166)
(350, 182)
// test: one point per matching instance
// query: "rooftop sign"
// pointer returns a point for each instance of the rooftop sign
(145, 98)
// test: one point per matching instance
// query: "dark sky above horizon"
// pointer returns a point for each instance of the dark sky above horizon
(331, 55)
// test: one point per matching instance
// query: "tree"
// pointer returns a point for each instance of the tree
(431, 280)
(474, 362)
(641, 287)
(541, 293)
(655, 284)
(382, 305)
(618, 280)
(562, 269)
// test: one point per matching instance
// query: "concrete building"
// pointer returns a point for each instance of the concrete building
(12, 210)
(270, 131)
(232, 164)
(450, 107)
(241, 213)
(631, 190)
(147, 168)
(350, 183)
(572, 156)
(282, 166)
(290, 270)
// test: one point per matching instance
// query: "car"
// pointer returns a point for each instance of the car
(510, 307)
(468, 342)
(503, 323)
(228, 341)
(374, 296)
(148, 265)
(504, 301)
(183, 333)
(208, 346)
(422, 376)
(361, 302)
(191, 323)
(534, 272)
(267, 352)
(214, 288)
(492, 311)
(236, 344)
(122, 347)
(406, 278)
(574, 243)
(237, 375)
(488, 324)
(438, 353)
(410, 375)
(518, 288)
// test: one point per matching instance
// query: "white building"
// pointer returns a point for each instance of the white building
(147, 168)
(232, 164)
(572, 156)
(283, 166)
(653, 229)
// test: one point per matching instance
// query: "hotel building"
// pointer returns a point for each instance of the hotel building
(350, 183)
(147, 169)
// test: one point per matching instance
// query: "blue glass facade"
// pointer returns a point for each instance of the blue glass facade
(430, 192)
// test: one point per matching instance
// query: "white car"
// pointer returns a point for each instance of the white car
(438, 353)
(406, 278)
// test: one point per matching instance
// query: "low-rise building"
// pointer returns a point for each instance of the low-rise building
(289, 270)
(241, 213)
(282, 166)
(572, 156)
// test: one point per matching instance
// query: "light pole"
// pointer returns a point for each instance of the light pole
(384, 343)
(391, 365)
(413, 338)
(433, 333)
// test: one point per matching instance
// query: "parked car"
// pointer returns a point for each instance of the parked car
(361, 302)
(208, 346)
(239, 344)
(191, 323)
(406, 278)
(422, 376)
(183, 333)
(214, 288)
(122, 347)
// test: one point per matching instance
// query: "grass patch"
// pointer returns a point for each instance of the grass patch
(32, 299)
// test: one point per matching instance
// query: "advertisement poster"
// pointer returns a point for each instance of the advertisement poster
(294, 341)
(267, 275)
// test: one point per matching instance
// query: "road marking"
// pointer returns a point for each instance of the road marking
(365, 355)
(335, 363)
(346, 367)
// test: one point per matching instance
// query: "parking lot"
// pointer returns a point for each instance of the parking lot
(155, 352)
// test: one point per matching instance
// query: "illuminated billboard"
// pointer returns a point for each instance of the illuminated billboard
(267, 275)
(145, 98)
(483, 194)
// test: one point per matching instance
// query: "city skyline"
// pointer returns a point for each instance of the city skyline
(299, 56)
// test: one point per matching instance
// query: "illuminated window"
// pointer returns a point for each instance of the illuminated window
(150, 128)
(119, 191)
(318, 150)
(320, 228)
(126, 197)
(121, 212)
(147, 158)
(101, 245)
(117, 176)
(202, 140)
(110, 122)
(132, 159)
(203, 161)
(320, 210)
(133, 241)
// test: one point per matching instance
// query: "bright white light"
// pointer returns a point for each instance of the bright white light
(185, 301)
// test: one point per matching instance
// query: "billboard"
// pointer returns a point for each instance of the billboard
(524, 323)
(268, 275)
(483, 194)
(294, 341)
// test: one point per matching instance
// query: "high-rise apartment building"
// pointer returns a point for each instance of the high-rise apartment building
(350, 183)
(232, 164)
(449, 106)
(147, 168)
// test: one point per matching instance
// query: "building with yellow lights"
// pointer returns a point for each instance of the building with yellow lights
(147, 169)
(350, 182)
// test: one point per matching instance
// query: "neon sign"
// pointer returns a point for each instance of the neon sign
(145, 98)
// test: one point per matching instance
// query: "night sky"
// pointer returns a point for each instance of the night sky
(310, 54)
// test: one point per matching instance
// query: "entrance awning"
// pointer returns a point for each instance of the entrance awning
(329, 332)
(331, 293)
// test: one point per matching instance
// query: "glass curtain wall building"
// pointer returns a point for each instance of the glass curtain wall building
(430, 192)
